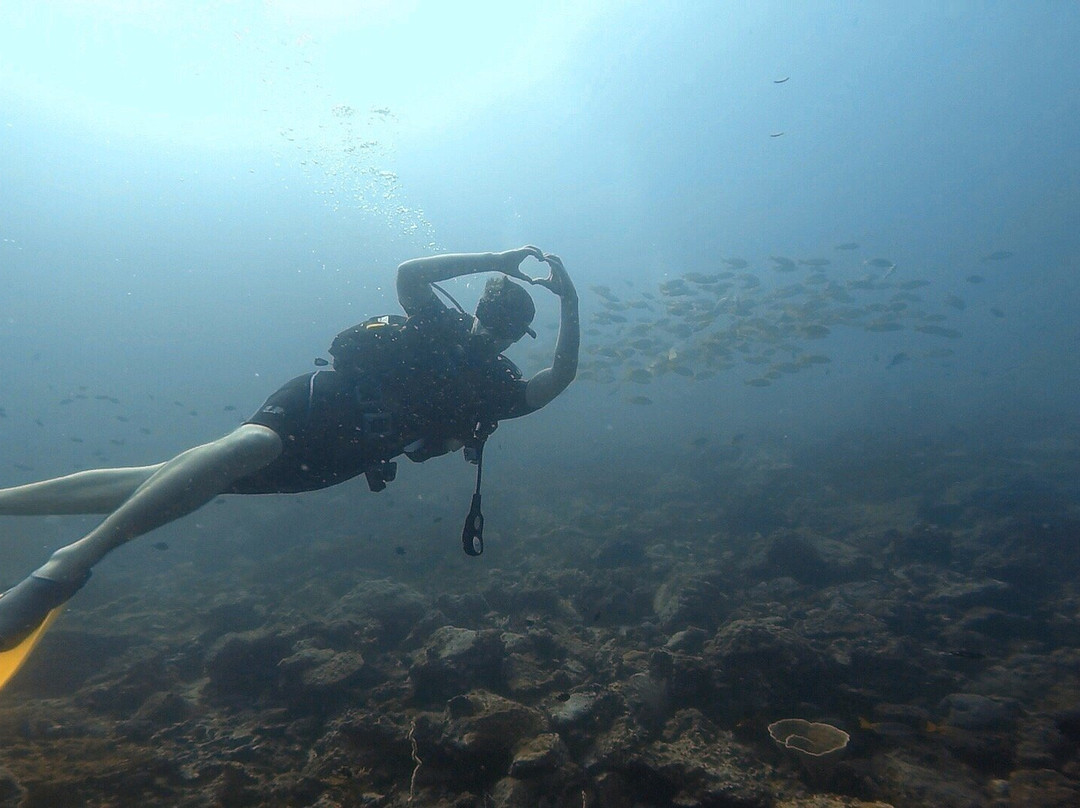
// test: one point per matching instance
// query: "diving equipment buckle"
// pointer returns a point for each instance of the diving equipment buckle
(380, 473)
(378, 425)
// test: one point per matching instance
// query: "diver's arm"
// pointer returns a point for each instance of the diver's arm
(548, 383)
(414, 278)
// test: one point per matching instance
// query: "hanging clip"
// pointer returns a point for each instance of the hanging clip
(472, 535)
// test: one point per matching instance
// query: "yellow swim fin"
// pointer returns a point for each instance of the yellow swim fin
(13, 659)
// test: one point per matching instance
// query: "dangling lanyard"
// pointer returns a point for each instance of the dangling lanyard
(472, 535)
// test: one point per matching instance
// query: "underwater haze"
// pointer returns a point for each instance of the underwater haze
(821, 460)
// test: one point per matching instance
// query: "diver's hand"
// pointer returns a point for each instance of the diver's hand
(510, 261)
(558, 279)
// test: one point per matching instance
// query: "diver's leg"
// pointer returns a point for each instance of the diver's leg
(177, 488)
(92, 491)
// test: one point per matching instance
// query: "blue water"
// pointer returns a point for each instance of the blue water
(194, 201)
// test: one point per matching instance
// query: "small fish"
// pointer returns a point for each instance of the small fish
(964, 653)
(897, 359)
(399, 550)
(939, 331)
(880, 263)
(975, 279)
(781, 81)
(162, 546)
(776, 134)
(997, 255)
(757, 382)
(994, 310)
(229, 408)
(640, 400)
(674, 288)
(604, 292)
(815, 331)
(815, 262)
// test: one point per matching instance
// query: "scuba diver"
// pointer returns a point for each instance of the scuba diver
(422, 385)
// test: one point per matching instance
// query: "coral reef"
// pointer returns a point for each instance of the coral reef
(641, 670)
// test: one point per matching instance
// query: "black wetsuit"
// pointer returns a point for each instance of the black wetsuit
(335, 426)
